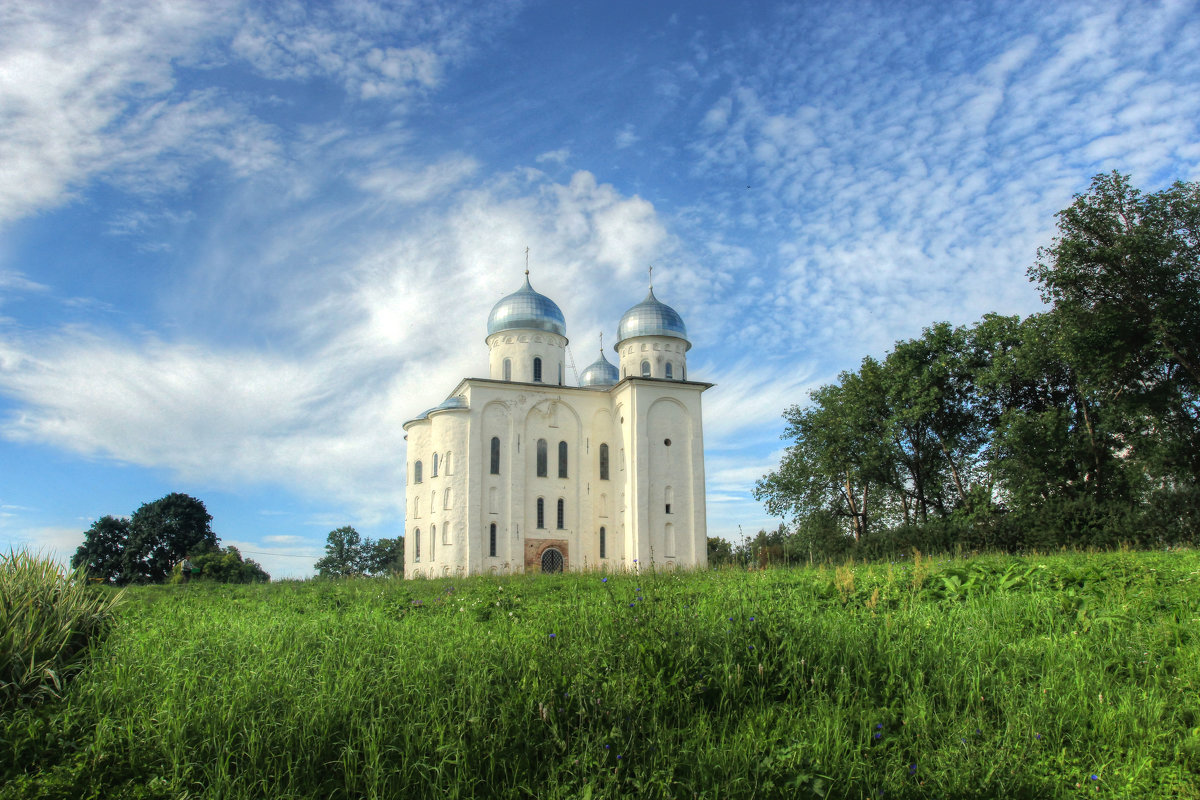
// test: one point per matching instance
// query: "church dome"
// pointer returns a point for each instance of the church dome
(599, 373)
(526, 309)
(651, 318)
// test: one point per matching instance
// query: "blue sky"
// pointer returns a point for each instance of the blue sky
(241, 243)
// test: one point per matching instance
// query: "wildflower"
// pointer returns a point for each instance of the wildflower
(607, 746)
(618, 758)
(604, 580)
(878, 735)
(752, 619)
(912, 769)
(879, 727)
(1094, 777)
(552, 636)
(1037, 736)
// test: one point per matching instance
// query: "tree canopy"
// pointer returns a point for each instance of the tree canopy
(347, 555)
(146, 547)
(1080, 424)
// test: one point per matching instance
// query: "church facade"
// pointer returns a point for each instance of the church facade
(519, 472)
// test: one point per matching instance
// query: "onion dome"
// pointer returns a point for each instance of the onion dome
(526, 309)
(651, 318)
(599, 373)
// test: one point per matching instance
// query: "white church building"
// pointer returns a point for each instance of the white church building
(519, 472)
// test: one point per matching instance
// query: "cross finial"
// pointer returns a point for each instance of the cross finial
(527, 261)
(651, 277)
(601, 342)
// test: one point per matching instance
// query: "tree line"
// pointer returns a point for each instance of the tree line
(150, 546)
(1079, 425)
(348, 555)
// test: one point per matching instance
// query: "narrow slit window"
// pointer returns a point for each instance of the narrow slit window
(541, 513)
(604, 462)
(562, 459)
(668, 373)
(417, 472)
(537, 370)
(542, 458)
(417, 545)
(645, 369)
(562, 513)
(435, 466)
(508, 369)
(492, 541)
(603, 548)
(495, 455)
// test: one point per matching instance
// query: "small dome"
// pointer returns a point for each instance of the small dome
(599, 373)
(651, 318)
(525, 309)
(458, 401)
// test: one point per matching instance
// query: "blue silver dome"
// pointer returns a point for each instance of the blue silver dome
(651, 318)
(599, 373)
(525, 309)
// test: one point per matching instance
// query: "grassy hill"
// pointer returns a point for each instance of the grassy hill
(1045, 676)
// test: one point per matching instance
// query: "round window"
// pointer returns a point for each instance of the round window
(667, 442)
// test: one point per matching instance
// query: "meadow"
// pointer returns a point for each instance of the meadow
(1066, 675)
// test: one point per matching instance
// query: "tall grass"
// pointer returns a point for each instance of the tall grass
(47, 620)
(1040, 677)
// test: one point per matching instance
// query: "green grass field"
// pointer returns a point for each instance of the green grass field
(1045, 676)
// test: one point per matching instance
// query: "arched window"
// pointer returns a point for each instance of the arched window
(645, 369)
(416, 507)
(417, 472)
(537, 370)
(562, 459)
(432, 541)
(541, 513)
(435, 460)
(446, 463)
(492, 541)
(668, 498)
(417, 544)
(446, 534)
(446, 499)
(495, 455)
(603, 548)
(669, 375)
(604, 462)
(562, 513)
(542, 469)
(560, 374)
(508, 369)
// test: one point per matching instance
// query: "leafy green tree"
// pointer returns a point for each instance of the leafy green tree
(164, 532)
(345, 554)
(385, 556)
(1123, 274)
(224, 565)
(102, 551)
(720, 551)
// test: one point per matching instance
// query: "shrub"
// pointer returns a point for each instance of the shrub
(48, 618)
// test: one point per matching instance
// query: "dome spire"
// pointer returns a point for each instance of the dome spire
(527, 263)
(652, 277)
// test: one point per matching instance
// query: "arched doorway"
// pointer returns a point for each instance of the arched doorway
(552, 560)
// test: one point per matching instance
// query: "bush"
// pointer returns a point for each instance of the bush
(48, 619)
